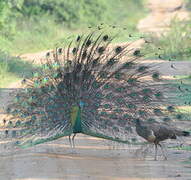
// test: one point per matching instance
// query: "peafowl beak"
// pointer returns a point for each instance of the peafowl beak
(81, 104)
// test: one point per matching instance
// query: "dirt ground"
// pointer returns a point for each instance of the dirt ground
(93, 158)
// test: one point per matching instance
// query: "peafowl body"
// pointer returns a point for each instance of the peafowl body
(90, 87)
(156, 132)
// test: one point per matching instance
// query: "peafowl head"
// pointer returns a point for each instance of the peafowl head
(81, 104)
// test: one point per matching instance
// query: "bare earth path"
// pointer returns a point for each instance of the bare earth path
(161, 15)
(93, 158)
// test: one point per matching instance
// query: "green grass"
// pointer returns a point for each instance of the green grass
(35, 32)
(13, 69)
(174, 45)
(42, 32)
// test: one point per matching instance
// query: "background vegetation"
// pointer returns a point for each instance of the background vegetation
(32, 25)
(173, 45)
(41, 24)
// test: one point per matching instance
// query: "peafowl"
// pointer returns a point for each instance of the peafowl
(91, 86)
(155, 133)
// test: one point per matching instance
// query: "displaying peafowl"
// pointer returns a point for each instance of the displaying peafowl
(90, 86)
(156, 132)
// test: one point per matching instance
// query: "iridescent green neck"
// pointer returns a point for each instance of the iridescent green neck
(76, 119)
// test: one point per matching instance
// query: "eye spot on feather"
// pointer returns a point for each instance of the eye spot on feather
(101, 50)
(118, 49)
(74, 50)
(88, 43)
(78, 38)
(105, 38)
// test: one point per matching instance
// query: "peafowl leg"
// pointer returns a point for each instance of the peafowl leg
(163, 153)
(73, 140)
(70, 141)
(156, 152)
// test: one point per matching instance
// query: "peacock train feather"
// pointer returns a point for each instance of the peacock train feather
(91, 87)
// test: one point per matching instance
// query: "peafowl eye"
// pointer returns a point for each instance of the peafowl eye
(23, 81)
(146, 99)
(157, 112)
(60, 50)
(84, 55)
(78, 38)
(171, 108)
(99, 95)
(118, 49)
(103, 74)
(151, 120)
(128, 65)
(120, 89)
(107, 106)
(107, 86)
(137, 53)
(133, 94)
(95, 62)
(105, 37)
(97, 105)
(74, 50)
(120, 100)
(88, 43)
(17, 99)
(103, 113)
(142, 113)
(131, 106)
(112, 61)
(132, 80)
(147, 91)
(47, 54)
(101, 50)
(118, 110)
(95, 85)
(127, 116)
(142, 68)
(179, 116)
(166, 119)
(156, 76)
(134, 139)
(18, 123)
(109, 96)
(158, 95)
(24, 104)
(118, 75)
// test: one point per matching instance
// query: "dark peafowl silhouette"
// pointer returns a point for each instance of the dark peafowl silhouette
(90, 86)
(156, 132)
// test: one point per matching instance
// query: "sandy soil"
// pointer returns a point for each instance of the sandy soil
(161, 15)
(92, 159)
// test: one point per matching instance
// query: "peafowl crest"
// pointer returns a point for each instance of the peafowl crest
(91, 86)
